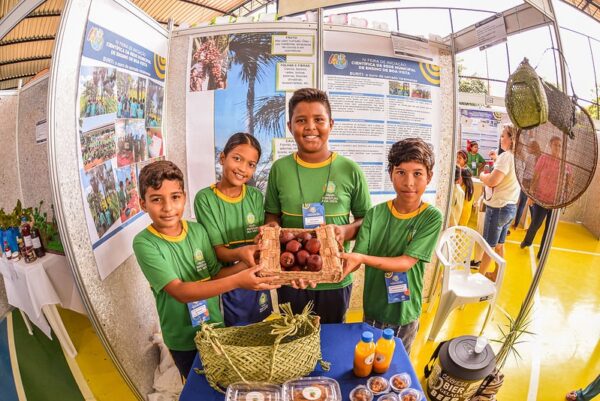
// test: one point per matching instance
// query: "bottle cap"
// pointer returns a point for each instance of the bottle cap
(388, 334)
(480, 344)
(367, 336)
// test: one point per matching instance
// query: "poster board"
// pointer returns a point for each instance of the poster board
(239, 80)
(483, 126)
(119, 113)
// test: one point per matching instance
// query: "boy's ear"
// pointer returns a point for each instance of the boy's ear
(429, 177)
(331, 123)
(143, 204)
(289, 125)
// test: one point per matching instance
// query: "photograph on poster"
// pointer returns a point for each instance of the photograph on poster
(97, 146)
(250, 102)
(420, 92)
(154, 140)
(399, 88)
(139, 166)
(154, 105)
(131, 141)
(97, 94)
(127, 192)
(208, 69)
(101, 195)
(131, 95)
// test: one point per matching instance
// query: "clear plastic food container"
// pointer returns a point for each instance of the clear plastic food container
(378, 385)
(312, 389)
(410, 394)
(253, 392)
(388, 397)
(361, 393)
(400, 381)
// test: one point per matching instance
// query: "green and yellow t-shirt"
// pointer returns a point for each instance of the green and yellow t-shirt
(345, 192)
(230, 221)
(385, 232)
(188, 257)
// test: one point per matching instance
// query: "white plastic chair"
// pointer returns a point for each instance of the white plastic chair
(459, 285)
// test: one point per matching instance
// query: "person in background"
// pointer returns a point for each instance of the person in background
(458, 199)
(587, 394)
(461, 158)
(528, 157)
(466, 182)
(395, 241)
(315, 177)
(178, 261)
(475, 161)
(500, 197)
(232, 212)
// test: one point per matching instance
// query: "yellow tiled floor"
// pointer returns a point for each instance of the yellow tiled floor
(563, 355)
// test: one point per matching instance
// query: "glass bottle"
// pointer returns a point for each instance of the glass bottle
(36, 241)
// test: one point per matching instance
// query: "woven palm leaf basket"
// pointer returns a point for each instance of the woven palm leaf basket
(270, 253)
(273, 351)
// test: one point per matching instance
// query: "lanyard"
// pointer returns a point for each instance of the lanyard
(326, 182)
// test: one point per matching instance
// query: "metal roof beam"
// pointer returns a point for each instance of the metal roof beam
(16, 15)
(16, 77)
(26, 40)
(24, 60)
(42, 14)
(207, 7)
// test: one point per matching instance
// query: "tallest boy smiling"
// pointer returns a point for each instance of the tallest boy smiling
(315, 186)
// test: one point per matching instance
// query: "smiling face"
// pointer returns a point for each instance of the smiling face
(410, 180)
(311, 124)
(239, 165)
(165, 207)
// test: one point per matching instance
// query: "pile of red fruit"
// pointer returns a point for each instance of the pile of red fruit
(300, 252)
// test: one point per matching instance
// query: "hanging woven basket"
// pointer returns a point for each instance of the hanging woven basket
(525, 98)
(274, 351)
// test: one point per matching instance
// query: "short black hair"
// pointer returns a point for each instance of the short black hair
(153, 175)
(242, 138)
(309, 95)
(411, 150)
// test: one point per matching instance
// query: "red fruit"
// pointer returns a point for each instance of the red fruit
(314, 263)
(286, 260)
(302, 257)
(286, 236)
(303, 237)
(313, 246)
(293, 246)
(295, 268)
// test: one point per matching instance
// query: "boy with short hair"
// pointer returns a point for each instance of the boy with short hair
(178, 260)
(315, 186)
(395, 241)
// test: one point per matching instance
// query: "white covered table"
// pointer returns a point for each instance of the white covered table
(36, 288)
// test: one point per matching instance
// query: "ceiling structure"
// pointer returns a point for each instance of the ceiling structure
(26, 49)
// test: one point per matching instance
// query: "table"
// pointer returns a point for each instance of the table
(337, 346)
(36, 288)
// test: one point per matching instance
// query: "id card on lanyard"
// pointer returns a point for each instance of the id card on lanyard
(198, 312)
(396, 284)
(313, 214)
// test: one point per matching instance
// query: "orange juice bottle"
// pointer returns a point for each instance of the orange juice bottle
(364, 353)
(384, 351)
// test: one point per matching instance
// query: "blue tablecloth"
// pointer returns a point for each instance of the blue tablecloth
(337, 346)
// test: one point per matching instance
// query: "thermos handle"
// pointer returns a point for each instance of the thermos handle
(434, 356)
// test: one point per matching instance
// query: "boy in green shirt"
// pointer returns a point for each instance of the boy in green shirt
(316, 177)
(178, 261)
(395, 241)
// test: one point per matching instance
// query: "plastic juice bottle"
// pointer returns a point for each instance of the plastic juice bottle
(364, 354)
(384, 351)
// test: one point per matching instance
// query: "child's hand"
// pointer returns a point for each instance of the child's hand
(247, 279)
(352, 262)
(340, 234)
(301, 284)
(248, 254)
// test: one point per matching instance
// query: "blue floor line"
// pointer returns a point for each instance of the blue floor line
(8, 392)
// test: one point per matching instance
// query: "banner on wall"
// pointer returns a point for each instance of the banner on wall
(120, 113)
(240, 82)
(482, 126)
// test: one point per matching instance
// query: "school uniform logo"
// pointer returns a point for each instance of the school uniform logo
(330, 196)
(250, 218)
(199, 261)
(262, 302)
(251, 227)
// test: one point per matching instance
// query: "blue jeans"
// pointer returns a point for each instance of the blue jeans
(497, 221)
(538, 215)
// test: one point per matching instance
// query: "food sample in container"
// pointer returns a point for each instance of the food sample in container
(388, 397)
(410, 394)
(312, 389)
(361, 393)
(378, 385)
(253, 392)
(400, 381)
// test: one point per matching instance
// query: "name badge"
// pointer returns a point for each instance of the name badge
(313, 215)
(198, 312)
(396, 284)
(473, 165)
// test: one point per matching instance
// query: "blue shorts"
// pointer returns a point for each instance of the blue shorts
(497, 222)
(242, 307)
